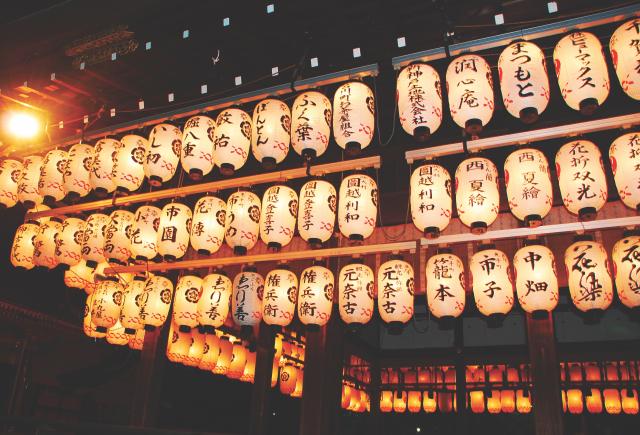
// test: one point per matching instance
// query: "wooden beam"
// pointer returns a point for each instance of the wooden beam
(260, 397)
(146, 392)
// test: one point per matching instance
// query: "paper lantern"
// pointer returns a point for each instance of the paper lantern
(494, 405)
(44, 244)
(196, 350)
(28, 192)
(523, 80)
(271, 132)
(536, 279)
(626, 56)
(358, 206)
(51, 184)
(10, 175)
(107, 304)
(288, 377)
(93, 238)
(79, 276)
(445, 285)
(315, 297)
(430, 199)
(155, 301)
(356, 293)
(588, 275)
(508, 401)
(399, 401)
(128, 163)
(207, 227)
(22, 248)
(310, 124)
(136, 341)
(492, 285)
(612, 401)
(238, 361)
(185, 302)
(278, 216)
(101, 176)
(345, 399)
(476, 399)
(386, 401)
(248, 375)
(178, 345)
(414, 401)
(144, 233)
(593, 400)
(470, 92)
(163, 153)
(583, 183)
(297, 391)
(173, 231)
(224, 358)
(523, 402)
(626, 268)
(68, 241)
(529, 189)
(197, 146)
(87, 325)
(630, 401)
(280, 295)
(242, 222)
(419, 97)
(429, 402)
(231, 140)
(77, 174)
(213, 306)
(116, 335)
(246, 301)
(132, 305)
(317, 214)
(210, 352)
(353, 117)
(395, 292)
(624, 155)
(582, 71)
(477, 195)
(117, 245)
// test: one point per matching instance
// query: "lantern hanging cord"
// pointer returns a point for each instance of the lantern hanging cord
(395, 115)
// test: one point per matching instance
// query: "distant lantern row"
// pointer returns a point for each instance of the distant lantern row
(579, 169)
(580, 66)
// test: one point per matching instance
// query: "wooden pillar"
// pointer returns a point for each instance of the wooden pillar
(260, 395)
(20, 381)
(148, 386)
(545, 373)
(461, 381)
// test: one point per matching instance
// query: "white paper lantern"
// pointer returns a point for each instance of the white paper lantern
(280, 295)
(470, 92)
(583, 183)
(197, 146)
(271, 132)
(582, 71)
(246, 300)
(117, 245)
(419, 94)
(101, 176)
(144, 232)
(80, 276)
(117, 336)
(315, 297)
(77, 174)
(51, 184)
(626, 268)
(224, 358)
(523, 80)
(196, 350)
(242, 221)
(625, 55)
(430, 199)
(278, 216)
(128, 163)
(477, 194)
(132, 304)
(317, 212)
(445, 289)
(358, 206)
(93, 238)
(44, 244)
(207, 228)
(588, 276)
(353, 117)
(238, 361)
(213, 307)
(173, 232)
(163, 153)
(356, 293)
(107, 304)
(178, 345)
(529, 188)
(624, 155)
(185, 302)
(22, 247)
(395, 292)
(28, 192)
(491, 281)
(87, 325)
(310, 124)
(232, 140)
(210, 352)
(155, 301)
(69, 240)
(536, 279)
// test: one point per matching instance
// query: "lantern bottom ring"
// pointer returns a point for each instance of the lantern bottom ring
(395, 328)
(123, 190)
(204, 252)
(184, 328)
(274, 246)
(308, 154)
(495, 320)
(353, 148)
(101, 329)
(30, 204)
(431, 232)
(155, 181)
(196, 174)
(422, 133)
(101, 192)
(473, 126)
(240, 250)
(314, 243)
(587, 213)
(588, 106)
(227, 169)
(47, 200)
(169, 258)
(117, 261)
(533, 220)
(478, 227)
(208, 329)
(72, 197)
(64, 267)
(129, 331)
(268, 163)
(92, 264)
(529, 115)
(149, 328)
(540, 314)
(356, 237)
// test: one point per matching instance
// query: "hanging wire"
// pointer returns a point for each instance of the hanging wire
(395, 115)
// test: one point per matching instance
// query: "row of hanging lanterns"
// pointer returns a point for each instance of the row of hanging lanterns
(354, 399)
(615, 401)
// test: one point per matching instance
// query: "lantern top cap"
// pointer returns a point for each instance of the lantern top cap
(583, 238)
(631, 232)
(250, 269)
(444, 250)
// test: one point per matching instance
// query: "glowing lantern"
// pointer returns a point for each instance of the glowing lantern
(51, 184)
(399, 401)
(630, 401)
(271, 132)
(508, 401)
(207, 227)
(210, 352)
(288, 378)
(583, 184)
(315, 297)
(529, 189)
(213, 306)
(311, 124)
(347, 393)
(446, 402)
(592, 372)
(28, 193)
(395, 292)
(523, 402)
(429, 402)
(68, 241)
(93, 238)
(588, 275)
(248, 375)
(280, 295)
(356, 293)
(353, 117)
(87, 325)
(117, 246)
(594, 401)
(477, 401)
(238, 361)
(275, 372)
(136, 341)
(246, 301)
(445, 285)
(582, 71)
(196, 350)
(317, 214)
(494, 405)
(358, 206)
(536, 279)
(612, 401)
(419, 100)
(173, 231)
(22, 248)
(128, 163)
(144, 232)
(178, 345)
(156, 301)
(77, 179)
(197, 146)
(116, 335)
(386, 401)
(130, 315)
(224, 358)
(414, 401)
(477, 195)
(79, 276)
(10, 175)
(492, 286)
(523, 80)
(278, 216)
(430, 198)
(231, 140)
(107, 304)
(624, 155)
(44, 252)
(185, 302)
(626, 267)
(625, 56)
(163, 154)
(101, 176)
(242, 222)
(470, 91)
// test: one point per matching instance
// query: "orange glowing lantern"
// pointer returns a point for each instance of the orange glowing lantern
(574, 401)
